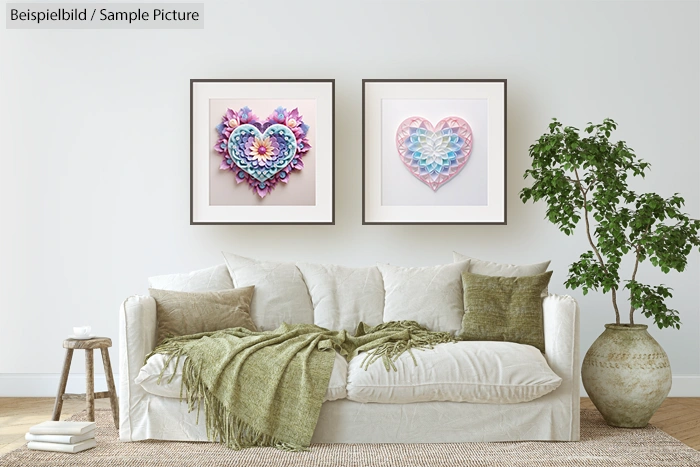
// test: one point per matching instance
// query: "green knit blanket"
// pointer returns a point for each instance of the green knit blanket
(266, 388)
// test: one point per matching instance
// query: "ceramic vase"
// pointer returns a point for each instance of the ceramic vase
(627, 375)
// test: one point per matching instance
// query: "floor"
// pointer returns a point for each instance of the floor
(678, 416)
(17, 414)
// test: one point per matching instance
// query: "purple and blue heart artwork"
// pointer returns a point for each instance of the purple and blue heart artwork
(262, 153)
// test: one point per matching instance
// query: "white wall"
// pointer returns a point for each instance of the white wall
(94, 169)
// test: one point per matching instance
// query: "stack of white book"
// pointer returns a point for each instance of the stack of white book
(62, 436)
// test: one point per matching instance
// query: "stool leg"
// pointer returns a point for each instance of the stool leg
(90, 385)
(110, 386)
(58, 405)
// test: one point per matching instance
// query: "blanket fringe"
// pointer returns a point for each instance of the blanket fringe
(418, 338)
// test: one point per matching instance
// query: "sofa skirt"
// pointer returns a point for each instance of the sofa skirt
(342, 421)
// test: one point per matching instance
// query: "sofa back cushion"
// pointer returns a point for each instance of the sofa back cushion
(280, 292)
(202, 280)
(431, 296)
(343, 296)
(490, 268)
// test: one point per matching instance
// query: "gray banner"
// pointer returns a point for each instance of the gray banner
(105, 16)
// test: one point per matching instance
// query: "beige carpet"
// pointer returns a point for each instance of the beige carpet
(600, 446)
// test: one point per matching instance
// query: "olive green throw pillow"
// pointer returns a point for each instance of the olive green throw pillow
(504, 308)
(183, 313)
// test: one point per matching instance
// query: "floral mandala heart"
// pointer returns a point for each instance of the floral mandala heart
(434, 155)
(262, 155)
(262, 152)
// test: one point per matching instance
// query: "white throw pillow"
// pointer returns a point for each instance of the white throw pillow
(211, 279)
(280, 292)
(474, 371)
(343, 296)
(489, 268)
(432, 296)
(150, 373)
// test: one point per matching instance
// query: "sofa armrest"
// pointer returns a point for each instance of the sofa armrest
(561, 336)
(137, 338)
(561, 343)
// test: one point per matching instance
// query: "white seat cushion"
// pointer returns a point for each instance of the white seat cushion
(149, 373)
(480, 372)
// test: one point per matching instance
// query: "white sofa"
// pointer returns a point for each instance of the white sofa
(374, 406)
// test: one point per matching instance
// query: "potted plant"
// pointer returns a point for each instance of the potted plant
(583, 176)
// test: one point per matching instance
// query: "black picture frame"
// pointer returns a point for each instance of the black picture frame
(365, 220)
(193, 221)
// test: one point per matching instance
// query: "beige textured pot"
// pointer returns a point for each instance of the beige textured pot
(627, 375)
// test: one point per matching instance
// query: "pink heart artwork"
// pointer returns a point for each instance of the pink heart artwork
(434, 155)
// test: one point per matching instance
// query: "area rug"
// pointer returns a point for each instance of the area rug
(600, 446)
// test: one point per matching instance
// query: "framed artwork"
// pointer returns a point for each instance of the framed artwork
(262, 151)
(434, 151)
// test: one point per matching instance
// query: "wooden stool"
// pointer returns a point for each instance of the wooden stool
(102, 343)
